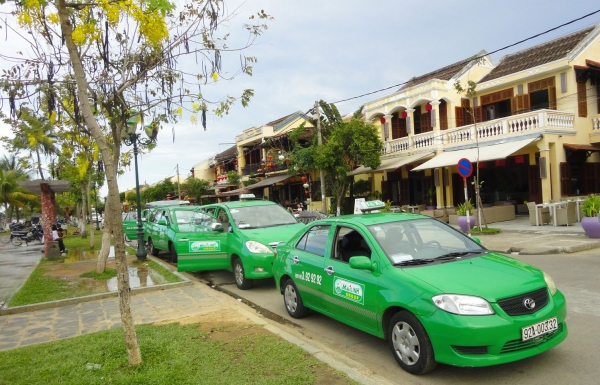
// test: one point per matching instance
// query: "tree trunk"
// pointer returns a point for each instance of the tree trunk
(89, 206)
(105, 250)
(112, 214)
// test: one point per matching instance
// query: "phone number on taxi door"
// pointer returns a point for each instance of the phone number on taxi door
(309, 277)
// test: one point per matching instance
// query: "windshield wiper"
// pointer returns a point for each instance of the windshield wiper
(412, 262)
(455, 255)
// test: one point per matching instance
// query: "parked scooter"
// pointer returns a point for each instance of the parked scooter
(35, 233)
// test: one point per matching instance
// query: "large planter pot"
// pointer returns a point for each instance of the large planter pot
(591, 227)
(462, 222)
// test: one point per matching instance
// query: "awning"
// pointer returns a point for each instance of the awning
(243, 190)
(391, 164)
(491, 152)
(580, 147)
(268, 181)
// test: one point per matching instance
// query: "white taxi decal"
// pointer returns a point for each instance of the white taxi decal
(196, 246)
(352, 291)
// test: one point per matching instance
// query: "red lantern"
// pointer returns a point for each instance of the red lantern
(259, 171)
(428, 107)
(270, 165)
(168, 197)
(304, 179)
(404, 114)
(287, 160)
(382, 120)
(269, 157)
(307, 193)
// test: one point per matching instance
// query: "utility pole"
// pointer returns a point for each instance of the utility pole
(178, 184)
(320, 141)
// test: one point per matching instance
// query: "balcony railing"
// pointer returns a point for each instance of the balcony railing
(596, 123)
(249, 133)
(250, 169)
(509, 126)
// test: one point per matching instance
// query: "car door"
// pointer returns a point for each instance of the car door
(202, 247)
(163, 221)
(351, 293)
(307, 265)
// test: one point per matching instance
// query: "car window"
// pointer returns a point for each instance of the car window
(314, 240)
(210, 211)
(349, 243)
(420, 239)
(255, 217)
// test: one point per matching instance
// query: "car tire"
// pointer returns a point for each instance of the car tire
(410, 344)
(172, 252)
(241, 281)
(153, 250)
(292, 300)
(16, 241)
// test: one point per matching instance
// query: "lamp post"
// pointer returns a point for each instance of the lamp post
(132, 138)
(317, 116)
(96, 205)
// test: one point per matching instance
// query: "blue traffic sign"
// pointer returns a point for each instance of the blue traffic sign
(465, 168)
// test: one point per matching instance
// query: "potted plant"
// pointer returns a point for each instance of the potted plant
(590, 208)
(461, 211)
(429, 196)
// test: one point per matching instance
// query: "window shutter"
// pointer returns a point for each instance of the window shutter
(404, 192)
(563, 82)
(465, 103)
(458, 114)
(552, 97)
(581, 100)
(425, 122)
(468, 116)
(475, 102)
(519, 104)
(565, 178)
(443, 116)
(520, 89)
(478, 112)
(543, 167)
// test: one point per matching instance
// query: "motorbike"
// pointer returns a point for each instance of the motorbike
(34, 233)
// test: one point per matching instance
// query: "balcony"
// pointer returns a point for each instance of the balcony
(542, 121)
(249, 133)
(595, 133)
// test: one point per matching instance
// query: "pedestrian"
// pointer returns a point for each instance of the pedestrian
(58, 235)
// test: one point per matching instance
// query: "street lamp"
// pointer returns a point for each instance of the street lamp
(132, 138)
(96, 204)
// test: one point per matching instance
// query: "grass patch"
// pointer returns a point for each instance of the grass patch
(489, 230)
(173, 354)
(165, 273)
(39, 288)
(108, 274)
(76, 242)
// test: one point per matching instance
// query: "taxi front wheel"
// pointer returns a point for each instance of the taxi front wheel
(293, 302)
(241, 281)
(410, 344)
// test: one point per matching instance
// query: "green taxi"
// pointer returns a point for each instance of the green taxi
(252, 231)
(130, 224)
(432, 292)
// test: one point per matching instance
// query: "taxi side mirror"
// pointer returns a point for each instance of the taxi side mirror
(476, 240)
(361, 263)
(162, 221)
(144, 220)
(216, 227)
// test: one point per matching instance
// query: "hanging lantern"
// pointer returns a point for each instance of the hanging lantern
(307, 193)
(270, 165)
(287, 160)
(305, 185)
(269, 157)
(263, 164)
(382, 120)
(259, 171)
(428, 107)
(304, 179)
(404, 114)
(281, 157)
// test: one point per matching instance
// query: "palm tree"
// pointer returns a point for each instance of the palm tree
(11, 194)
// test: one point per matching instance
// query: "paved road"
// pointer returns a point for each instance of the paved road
(16, 263)
(574, 361)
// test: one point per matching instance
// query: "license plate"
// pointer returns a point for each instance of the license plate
(544, 327)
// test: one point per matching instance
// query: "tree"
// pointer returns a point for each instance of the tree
(13, 196)
(346, 145)
(195, 189)
(94, 63)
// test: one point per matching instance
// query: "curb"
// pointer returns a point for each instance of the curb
(73, 301)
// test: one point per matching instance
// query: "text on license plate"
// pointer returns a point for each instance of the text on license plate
(539, 328)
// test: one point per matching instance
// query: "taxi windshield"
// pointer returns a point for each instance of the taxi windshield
(421, 241)
(192, 221)
(257, 217)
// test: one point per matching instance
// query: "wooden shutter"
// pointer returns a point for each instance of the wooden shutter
(591, 175)
(458, 114)
(552, 97)
(565, 178)
(408, 125)
(384, 190)
(395, 127)
(478, 112)
(404, 192)
(581, 100)
(535, 184)
(425, 122)
(519, 104)
(444, 115)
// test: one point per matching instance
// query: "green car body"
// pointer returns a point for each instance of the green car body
(130, 225)
(252, 231)
(379, 273)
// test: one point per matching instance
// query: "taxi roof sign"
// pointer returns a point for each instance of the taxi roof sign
(367, 206)
(247, 196)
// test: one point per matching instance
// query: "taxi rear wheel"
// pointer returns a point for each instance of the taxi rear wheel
(293, 301)
(241, 281)
(173, 253)
(153, 250)
(410, 344)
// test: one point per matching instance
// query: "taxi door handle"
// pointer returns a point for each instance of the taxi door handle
(296, 260)
(329, 270)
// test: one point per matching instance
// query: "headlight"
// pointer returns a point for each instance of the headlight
(257, 248)
(550, 283)
(462, 304)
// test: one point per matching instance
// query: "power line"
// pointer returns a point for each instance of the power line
(475, 58)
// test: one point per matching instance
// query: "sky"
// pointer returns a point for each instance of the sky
(338, 49)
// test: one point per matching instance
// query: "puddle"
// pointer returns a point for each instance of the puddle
(138, 277)
(78, 255)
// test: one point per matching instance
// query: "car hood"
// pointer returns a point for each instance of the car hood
(273, 234)
(492, 276)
